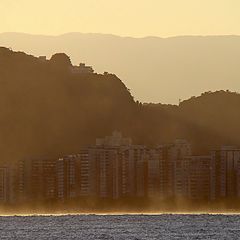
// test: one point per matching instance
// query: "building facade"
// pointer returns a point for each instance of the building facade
(226, 167)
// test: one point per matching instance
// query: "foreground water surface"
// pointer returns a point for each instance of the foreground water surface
(121, 227)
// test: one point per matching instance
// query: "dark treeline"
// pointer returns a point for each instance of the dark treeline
(45, 109)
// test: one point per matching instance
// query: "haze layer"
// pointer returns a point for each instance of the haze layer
(155, 69)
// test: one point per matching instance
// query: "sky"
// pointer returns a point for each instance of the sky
(136, 18)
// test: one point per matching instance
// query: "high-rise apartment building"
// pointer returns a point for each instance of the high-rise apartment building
(198, 178)
(226, 176)
(4, 185)
(36, 179)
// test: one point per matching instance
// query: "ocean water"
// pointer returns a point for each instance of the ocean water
(121, 227)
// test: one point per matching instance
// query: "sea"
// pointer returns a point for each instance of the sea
(124, 227)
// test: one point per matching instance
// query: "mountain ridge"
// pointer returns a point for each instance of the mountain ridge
(155, 69)
(120, 36)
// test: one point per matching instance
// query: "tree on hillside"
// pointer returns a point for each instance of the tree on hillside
(61, 60)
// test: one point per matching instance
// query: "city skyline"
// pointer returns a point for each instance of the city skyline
(117, 169)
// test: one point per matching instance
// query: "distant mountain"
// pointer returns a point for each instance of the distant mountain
(155, 69)
(47, 109)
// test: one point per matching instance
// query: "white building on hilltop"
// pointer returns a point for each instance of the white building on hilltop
(82, 69)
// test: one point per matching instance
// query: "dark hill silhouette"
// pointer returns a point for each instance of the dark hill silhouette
(155, 69)
(208, 121)
(45, 109)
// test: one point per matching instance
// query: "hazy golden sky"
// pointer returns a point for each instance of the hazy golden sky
(122, 17)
